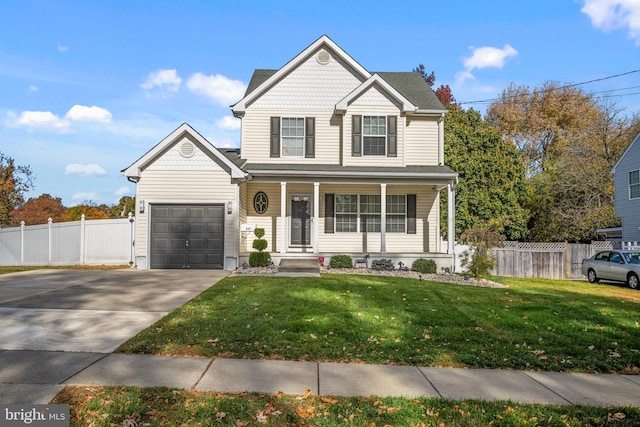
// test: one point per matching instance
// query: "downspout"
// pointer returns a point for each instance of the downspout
(441, 140)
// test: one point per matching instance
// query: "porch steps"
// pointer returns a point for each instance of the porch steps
(299, 266)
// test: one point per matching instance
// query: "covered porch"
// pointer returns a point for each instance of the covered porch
(322, 213)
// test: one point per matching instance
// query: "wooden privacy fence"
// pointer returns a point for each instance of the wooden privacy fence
(90, 242)
(544, 260)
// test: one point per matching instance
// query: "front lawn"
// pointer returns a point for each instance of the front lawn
(131, 406)
(532, 325)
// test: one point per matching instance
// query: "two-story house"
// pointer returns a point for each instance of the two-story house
(334, 159)
(626, 179)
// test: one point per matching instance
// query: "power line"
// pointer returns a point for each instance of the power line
(485, 101)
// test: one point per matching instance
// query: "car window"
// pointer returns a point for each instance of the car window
(632, 257)
(602, 256)
(615, 257)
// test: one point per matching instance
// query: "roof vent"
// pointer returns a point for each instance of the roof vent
(323, 57)
(187, 149)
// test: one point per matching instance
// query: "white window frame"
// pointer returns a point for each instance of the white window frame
(374, 135)
(391, 215)
(358, 214)
(284, 150)
(345, 214)
(634, 185)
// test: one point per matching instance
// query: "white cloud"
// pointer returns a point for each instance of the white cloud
(42, 120)
(84, 170)
(229, 123)
(485, 57)
(122, 191)
(219, 88)
(62, 49)
(165, 80)
(83, 113)
(33, 88)
(614, 14)
(86, 196)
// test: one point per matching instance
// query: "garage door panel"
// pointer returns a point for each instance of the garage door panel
(201, 225)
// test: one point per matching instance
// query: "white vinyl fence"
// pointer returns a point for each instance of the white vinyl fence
(84, 242)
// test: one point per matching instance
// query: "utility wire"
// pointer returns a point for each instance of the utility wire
(485, 101)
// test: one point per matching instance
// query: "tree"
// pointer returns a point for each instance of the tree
(15, 181)
(569, 142)
(478, 260)
(38, 210)
(125, 205)
(443, 93)
(429, 78)
(492, 184)
(88, 208)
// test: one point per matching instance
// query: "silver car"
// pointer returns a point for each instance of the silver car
(617, 266)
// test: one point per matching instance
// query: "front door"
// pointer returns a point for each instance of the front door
(300, 228)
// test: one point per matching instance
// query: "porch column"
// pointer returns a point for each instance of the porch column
(283, 217)
(383, 219)
(451, 225)
(316, 216)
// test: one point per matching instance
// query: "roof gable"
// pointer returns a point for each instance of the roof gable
(629, 148)
(263, 80)
(184, 130)
(380, 82)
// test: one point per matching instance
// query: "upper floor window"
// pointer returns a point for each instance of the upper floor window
(634, 184)
(293, 136)
(374, 135)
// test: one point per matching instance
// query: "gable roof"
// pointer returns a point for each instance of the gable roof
(134, 170)
(256, 89)
(635, 140)
(408, 88)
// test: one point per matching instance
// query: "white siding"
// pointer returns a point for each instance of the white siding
(421, 141)
(382, 161)
(310, 86)
(172, 160)
(256, 133)
(185, 187)
(270, 220)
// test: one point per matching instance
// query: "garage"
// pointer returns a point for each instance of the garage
(187, 236)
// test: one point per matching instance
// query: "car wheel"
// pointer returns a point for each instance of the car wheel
(633, 281)
(591, 275)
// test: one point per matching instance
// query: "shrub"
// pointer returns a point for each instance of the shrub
(260, 245)
(259, 259)
(341, 261)
(382, 264)
(424, 266)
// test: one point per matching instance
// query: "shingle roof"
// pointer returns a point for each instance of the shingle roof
(413, 87)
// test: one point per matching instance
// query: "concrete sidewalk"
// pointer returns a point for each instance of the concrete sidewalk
(37, 376)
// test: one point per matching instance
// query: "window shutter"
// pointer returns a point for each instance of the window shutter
(392, 136)
(329, 213)
(310, 137)
(411, 214)
(275, 136)
(356, 136)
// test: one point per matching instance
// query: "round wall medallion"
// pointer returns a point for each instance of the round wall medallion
(187, 149)
(260, 202)
(323, 57)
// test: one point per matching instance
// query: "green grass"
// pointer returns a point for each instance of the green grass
(109, 406)
(533, 324)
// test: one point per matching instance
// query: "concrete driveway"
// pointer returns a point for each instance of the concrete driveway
(90, 310)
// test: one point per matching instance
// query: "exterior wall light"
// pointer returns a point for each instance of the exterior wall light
(141, 206)
(229, 207)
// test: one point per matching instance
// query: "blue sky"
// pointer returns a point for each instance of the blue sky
(87, 87)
